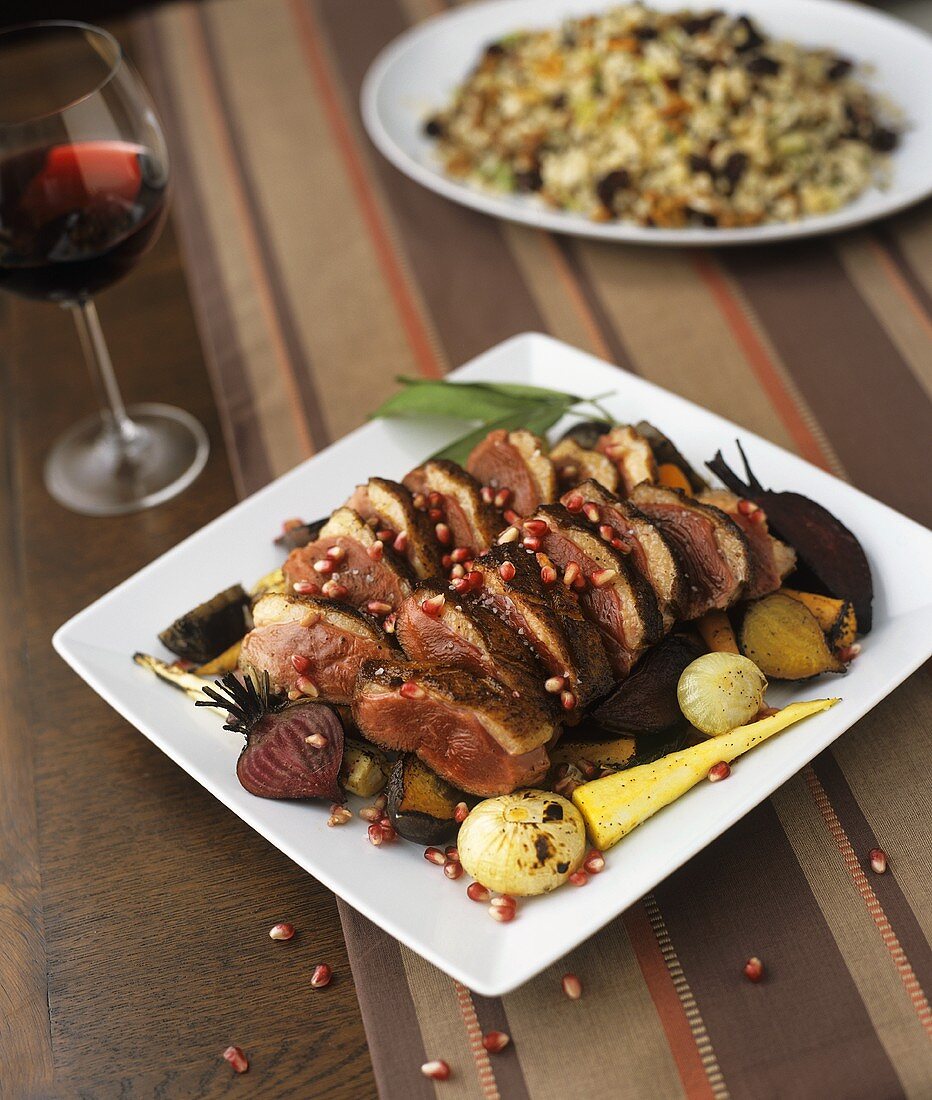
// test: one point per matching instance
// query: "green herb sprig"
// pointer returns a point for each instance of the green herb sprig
(507, 405)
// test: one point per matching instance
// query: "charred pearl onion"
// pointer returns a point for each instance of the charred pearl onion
(720, 691)
(524, 843)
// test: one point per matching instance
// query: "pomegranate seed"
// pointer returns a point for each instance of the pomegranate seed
(378, 607)
(316, 740)
(475, 891)
(474, 580)
(282, 931)
(371, 814)
(591, 511)
(878, 860)
(389, 624)
(336, 553)
(488, 494)
(385, 534)
(574, 502)
(451, 853)
(453, 870)
(433, 606)
(531, 542)
(503, 498)
(446, 561)
(602, 577)
(571, 574)
(437, 1070)
(507, 571)
(324, 566)
(334, 590)
(567, 700)
(339, 815)
(719, 771)
(594, 862)
(460, 584)
(572, 986)
(494, 1041)
(578, 878)
(376, 550)
(305, 588)
(401, 542)
(300, 663)
(754, 969)
(460, 812)
(460, 554)
(607, 533)
(502, 913)
(444, 534)
(419, 501)
(746, 507)
(849, 652)
(555, 684)
(376, 836)
(321, 976)
(435, 514)
(510, 534)
(435, 499)
(388, 831)
(307, 687)
(457, 572)
(760, 516)
(536, 527)
(548, 574)
(237, 1059)
(510, 516)
(621, 546)
(410, 690)
(435, 856)
(566, 786)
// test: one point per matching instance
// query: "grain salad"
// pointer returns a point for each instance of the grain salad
(666, 119)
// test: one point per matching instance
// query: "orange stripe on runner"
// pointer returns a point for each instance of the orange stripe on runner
(395, 277)
(480, 1055)
(899, 284)
(875, 909)
(247, 229)
(576, 298)
(760, 362)
(670, 1009)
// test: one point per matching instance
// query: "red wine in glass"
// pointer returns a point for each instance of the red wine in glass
(75, 218)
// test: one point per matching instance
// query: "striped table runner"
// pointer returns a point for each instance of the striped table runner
(318, 274)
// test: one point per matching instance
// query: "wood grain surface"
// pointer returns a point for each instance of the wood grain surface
(134, 908)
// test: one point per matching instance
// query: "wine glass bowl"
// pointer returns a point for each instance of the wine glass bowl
(84, 183)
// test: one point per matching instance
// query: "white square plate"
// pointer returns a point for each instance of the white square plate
(393, 886)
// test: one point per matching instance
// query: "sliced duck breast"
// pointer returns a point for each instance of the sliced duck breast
(388, 507)
(462, 522)
(516, 462)
(632, 455)
(771, 559)
(574, 464)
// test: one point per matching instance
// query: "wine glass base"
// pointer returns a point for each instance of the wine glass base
(90, 471)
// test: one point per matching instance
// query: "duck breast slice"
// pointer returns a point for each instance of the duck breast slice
(517, 462)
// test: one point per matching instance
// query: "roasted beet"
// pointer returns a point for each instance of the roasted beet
(296, 533)
(823, 545)
(587, 432)
(292, 750)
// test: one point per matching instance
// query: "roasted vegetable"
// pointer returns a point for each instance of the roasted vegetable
(183, 679)
(836, 617)
(226, 662)
(575, 464)
(613, 806)
(827, 549)
(589, 755)
(296, 533)
(587, 432)
(784, 639)
(271, 582)
(672, 477)
(720, 691)
(293, 750)
(364, 770)
(666, 454)
(646, 701)
(716, 631)
(525, 843)
(421, 804)
(209, 628)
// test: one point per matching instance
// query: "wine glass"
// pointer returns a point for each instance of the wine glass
(83, 192)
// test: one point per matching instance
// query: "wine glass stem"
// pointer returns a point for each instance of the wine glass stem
(101, 369)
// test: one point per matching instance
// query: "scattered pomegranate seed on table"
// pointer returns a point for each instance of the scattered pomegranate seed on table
(451, 853)
(754, 969)
(572, 986)
(503, 909)
(719, 771)
(453, 869)
(321, 976)
(375, 834)
(594, 863)
(878, 860)
(578, 878)
(435, 856)
(237, 1059)
(437, 1070)
(475, 891)
(283, 931)
(494, 1041)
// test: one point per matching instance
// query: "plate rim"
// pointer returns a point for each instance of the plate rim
(495, 981)
(621, 232)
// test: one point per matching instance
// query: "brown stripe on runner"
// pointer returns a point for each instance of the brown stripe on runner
(875, 909)
(671, 1009)
(836, 351)
(746, 895)
(861, 839)
(391, 1023)
(491, 1016)
(299, 367)
(914, 287)
(463, 267)
(225, 357)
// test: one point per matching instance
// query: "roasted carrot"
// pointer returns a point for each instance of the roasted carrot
(672, 477)
(717, 633)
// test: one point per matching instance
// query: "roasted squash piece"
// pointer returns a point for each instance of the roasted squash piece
(614, 754)
(421, 804)
(784, 639)
(226, 662)
(365, 769)
(210, 628)
(836, 617)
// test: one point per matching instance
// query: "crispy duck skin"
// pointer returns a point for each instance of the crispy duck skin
(516, 461)
(574, 464)
(632, 455)
(546, 617)
(473, 524)
(651, 554)
(459, 630)
(771, 559)
(365, 574)
(467, 728)
(311, 647)
(710, 545)
(388, 506)
(612, 594)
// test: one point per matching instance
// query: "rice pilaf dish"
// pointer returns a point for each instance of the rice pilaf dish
(666, 119)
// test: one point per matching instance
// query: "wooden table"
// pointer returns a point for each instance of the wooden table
(134, 908)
